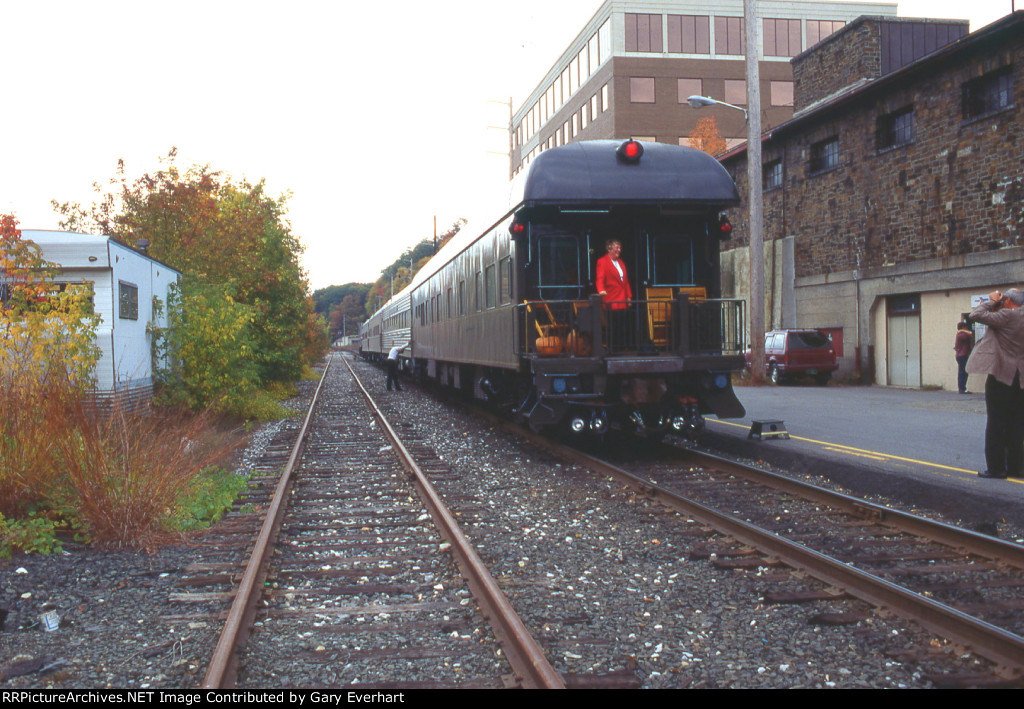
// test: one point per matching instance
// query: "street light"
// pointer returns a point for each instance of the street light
(702, 101)
(755, 197)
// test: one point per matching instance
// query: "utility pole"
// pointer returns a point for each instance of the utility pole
(755, 194)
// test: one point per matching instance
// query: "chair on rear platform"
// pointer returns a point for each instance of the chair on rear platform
(659, 315)
(550, 332)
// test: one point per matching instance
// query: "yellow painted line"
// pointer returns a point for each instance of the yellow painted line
(839, 448)
(859, 455)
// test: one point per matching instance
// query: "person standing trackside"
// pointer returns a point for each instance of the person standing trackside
(393, 366)
(1000, 355)
(962, 347)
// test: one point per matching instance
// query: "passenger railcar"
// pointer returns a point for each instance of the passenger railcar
(386, 328)
(510, 314)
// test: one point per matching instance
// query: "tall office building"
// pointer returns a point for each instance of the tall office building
(630, 70)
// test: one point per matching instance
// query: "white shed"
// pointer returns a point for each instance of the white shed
(125, 282)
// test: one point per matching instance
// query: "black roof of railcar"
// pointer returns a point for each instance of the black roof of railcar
(590, 171)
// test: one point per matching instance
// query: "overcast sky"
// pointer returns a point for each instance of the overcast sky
(375, 116)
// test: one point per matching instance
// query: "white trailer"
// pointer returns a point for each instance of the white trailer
(125, 282)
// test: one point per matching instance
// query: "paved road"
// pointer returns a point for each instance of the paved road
(923, 447)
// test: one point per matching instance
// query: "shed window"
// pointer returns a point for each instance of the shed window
(128, 301)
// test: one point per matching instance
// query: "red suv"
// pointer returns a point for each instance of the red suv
(790, 353)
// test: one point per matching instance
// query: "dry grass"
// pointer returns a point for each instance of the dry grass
(119, 478)
(28, 412)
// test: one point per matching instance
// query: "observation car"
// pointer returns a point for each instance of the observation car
(510, 314)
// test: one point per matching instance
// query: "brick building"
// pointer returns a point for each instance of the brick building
(894, 197)
(632, 66)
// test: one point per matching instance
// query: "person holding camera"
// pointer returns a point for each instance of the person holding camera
(1000, 355)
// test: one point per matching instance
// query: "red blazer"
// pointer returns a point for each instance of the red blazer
(616, 288)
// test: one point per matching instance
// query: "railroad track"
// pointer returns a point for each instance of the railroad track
(961, 585)
(582, 584)
(590, 611)
(349, 584)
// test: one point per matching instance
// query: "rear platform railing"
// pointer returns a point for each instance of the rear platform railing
(589, 328)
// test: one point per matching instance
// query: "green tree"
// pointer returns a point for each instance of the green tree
(326, 299)
(226, 237)
(346, 315)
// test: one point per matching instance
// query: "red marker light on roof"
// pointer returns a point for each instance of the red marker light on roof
(630, 151)
(518, 228)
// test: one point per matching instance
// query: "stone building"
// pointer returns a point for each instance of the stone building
(894, 197)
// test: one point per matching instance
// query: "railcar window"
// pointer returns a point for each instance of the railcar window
(505, 296)
(462, 298)
(490, 285)
(476, 292)
(559, 267)
(672, 260)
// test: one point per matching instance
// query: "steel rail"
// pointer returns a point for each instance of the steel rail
(223, 667)
(523, 652)
(1002, 647)
(963, 540)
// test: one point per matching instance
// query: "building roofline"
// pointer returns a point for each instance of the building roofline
(853, 24)
(712, 8)
(103, 237)
(857, 90)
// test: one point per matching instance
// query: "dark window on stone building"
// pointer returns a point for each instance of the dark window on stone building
(988, 94)
(772, 177)
(825, 155)
(895, 129)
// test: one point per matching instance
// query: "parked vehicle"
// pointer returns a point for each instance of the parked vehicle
(792, 353)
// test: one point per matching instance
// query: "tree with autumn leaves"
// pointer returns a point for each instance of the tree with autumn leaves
(39, 318)
(241, 319)
(48, 354)
(707, 137)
